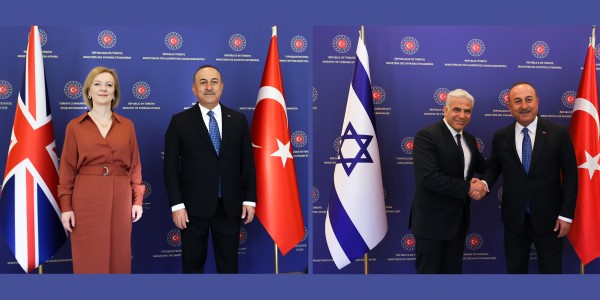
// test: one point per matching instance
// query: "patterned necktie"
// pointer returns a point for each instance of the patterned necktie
(213, 130)
(526, 158)
(215, 137)
(526, 150)
(462, 153)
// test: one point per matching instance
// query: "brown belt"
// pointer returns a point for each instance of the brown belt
(103, 170)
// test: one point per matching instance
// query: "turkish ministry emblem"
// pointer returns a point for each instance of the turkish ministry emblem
(5, 89)
(540, 49)
(476, 47)
(173, 40)
(107, 39)
(409, 45)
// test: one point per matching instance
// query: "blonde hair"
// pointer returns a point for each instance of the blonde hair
(88, 82)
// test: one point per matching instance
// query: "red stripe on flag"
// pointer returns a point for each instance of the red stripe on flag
(30, 210)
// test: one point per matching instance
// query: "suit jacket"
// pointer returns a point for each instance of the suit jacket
(441, 198)
(551, 184)
(192, 167)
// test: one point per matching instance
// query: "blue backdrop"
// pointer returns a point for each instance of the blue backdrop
(412, 67)
(412, 70)
(311, 12)
(155, 66)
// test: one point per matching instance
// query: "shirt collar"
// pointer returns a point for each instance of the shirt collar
(454, 132)
(216, 110)
(532, 127)
(85, 115)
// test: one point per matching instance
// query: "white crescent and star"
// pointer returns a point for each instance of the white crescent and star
(591, 162)
(283, 150)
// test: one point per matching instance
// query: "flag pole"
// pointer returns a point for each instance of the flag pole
(276, 260)
(274, 33)
(366, 256)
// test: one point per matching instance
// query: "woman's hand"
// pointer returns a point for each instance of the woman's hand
(136, 212)
(68, 220)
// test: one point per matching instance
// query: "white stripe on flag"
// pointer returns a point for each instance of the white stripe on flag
(20, 213)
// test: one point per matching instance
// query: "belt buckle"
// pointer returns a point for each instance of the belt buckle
(105, 171)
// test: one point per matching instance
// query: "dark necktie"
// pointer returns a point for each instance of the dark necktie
(215, 137)
(462, 153)
(526, 157)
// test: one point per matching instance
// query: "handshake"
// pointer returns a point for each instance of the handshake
(478, 189)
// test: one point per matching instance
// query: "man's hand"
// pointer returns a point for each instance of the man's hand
(247, 213)
(180, 218)
(478, 189)
(562, 227)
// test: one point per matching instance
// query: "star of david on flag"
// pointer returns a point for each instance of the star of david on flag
(356, 220)
(362, 156)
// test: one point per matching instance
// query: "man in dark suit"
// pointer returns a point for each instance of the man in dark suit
(209, 175)
(540, 183)
(445, 158)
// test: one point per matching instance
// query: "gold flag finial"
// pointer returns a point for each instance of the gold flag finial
(362, 33)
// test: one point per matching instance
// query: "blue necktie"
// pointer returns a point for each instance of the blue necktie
(526, 157)
(213, 130)
(526, 150)
(215, 137)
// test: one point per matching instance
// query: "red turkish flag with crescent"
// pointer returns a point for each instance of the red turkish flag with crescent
(278, 203)
(585, 133)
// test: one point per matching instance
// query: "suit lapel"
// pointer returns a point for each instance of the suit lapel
(512, 145)
(227, 123)
(472, 145)
(200, 126)
(451, 143)
(541, 138)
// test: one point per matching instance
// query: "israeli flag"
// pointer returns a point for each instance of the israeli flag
(356, 219)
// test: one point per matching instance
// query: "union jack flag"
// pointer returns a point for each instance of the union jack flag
(29, 212)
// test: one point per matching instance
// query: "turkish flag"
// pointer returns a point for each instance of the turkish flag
(585, 133)
(278, 203)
